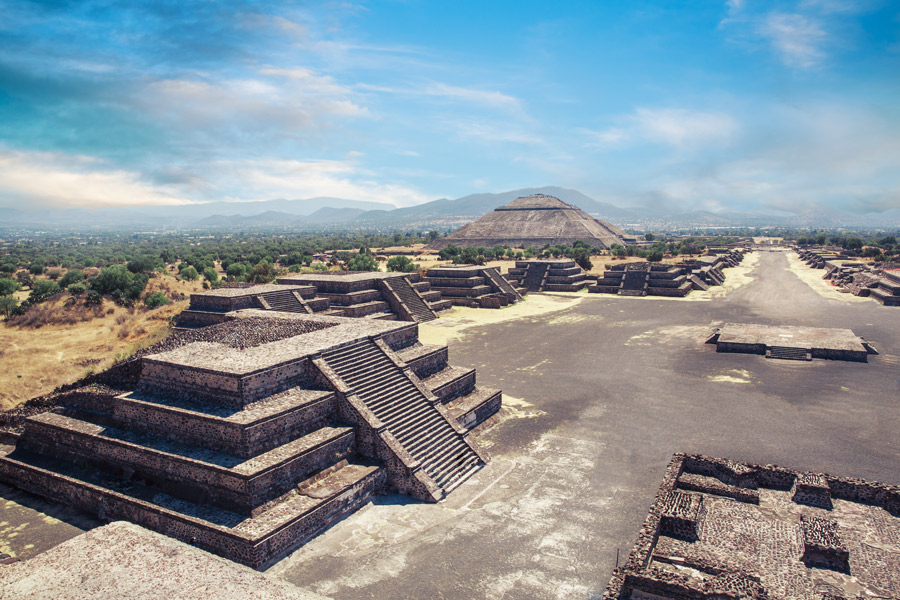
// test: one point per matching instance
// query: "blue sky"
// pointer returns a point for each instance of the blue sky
(734, 105)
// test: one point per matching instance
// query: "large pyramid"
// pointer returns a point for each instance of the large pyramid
(534, 221)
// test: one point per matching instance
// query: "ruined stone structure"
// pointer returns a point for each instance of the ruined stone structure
(659, 279)
(647, 279)
(473, 286)
(211, 307)
(877, 281)
(535, 221)
(562, 275)
(790, 342)
(726, 530)
(253, 441)
(375, 295)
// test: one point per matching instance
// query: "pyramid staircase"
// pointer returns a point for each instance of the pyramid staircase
(501, 284)
(413, 419)
(535, 275)
(409, 300)
(284, 301)
(634, 282)
(788, 353)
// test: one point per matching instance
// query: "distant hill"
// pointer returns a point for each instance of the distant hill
(444, 214)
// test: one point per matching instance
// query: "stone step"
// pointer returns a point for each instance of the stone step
(789, 353)
(424, 359)
(255, 541)
(475, 407)
(451, 383)
(258, 428)
(189, 472)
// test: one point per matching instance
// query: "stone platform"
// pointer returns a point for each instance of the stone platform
(122, 560)
(251, 445)
(723, 529)
(790, 342)
(472, 286)
(561, 275)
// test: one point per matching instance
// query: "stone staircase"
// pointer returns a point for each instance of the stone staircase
(414, 421)
(634, 283)
(284, 301)
(417, 308)
(788, 353)
(534, 276)
(502, 285)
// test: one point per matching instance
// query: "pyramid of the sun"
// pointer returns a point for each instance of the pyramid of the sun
(534, 221)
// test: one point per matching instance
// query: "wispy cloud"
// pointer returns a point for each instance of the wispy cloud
(679, 128)
(798, 39)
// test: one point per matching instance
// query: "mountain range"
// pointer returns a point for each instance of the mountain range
(444, 214)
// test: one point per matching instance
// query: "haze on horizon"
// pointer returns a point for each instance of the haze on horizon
(722, 106)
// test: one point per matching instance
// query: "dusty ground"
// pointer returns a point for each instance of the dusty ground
(599, 391)
(35, 361)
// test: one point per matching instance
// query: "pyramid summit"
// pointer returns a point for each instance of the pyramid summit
(535, 220)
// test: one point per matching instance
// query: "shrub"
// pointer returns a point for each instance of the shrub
(8, 268)
(583, 260)
(189, 274)
(210, 275)
(41, 290)
(401, 264)
(36, 268)
(156, 299)
(76, 288)
(73, 276)
(145, 263)
(8, 286)
(54, 274)
(120, 283)
(655, 256)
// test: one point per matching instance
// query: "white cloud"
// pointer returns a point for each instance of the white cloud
(265, 179)
(676, 127)
(41, 179)
(799, 40)
(481, 98)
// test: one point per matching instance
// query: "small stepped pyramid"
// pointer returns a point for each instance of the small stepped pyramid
(409, 298)
(410, 417)
(472, 285)
(250, 445)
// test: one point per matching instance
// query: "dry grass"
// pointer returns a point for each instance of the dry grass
(73, 339)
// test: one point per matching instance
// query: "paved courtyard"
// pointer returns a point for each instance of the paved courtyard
(599, 394)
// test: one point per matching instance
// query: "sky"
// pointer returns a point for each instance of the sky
(737, 105)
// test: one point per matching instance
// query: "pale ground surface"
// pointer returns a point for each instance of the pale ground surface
(813, 278)
(599, 392)
(35, 361)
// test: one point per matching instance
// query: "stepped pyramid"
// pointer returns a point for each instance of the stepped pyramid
(249, 437)
(534, 221)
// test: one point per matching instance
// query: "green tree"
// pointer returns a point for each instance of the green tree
(210, 275)
(9, 286)
(189, 274)
(401, 264)
(41, 290)
(7, 305)
(120, 283)
(362, 262)
(145, 263)
(262, 273)
(649, 237)
(236, 271)
(73, 276)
